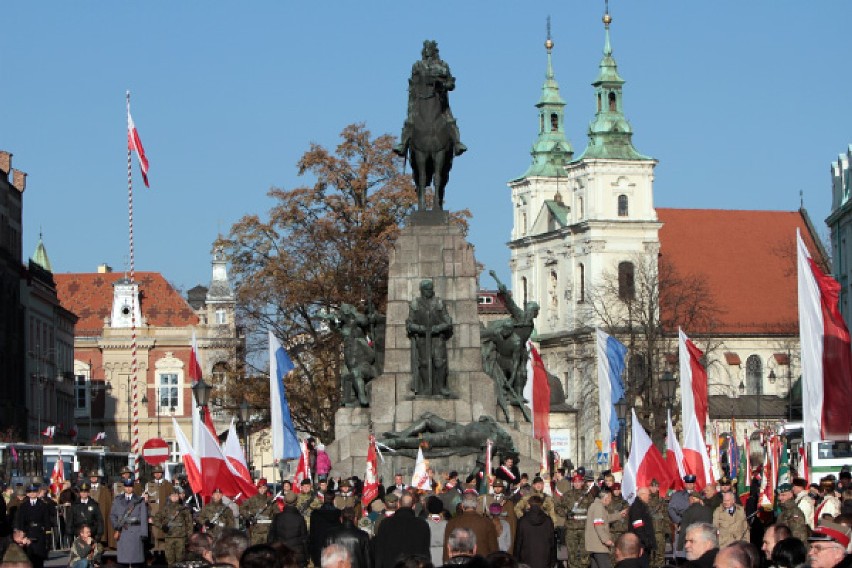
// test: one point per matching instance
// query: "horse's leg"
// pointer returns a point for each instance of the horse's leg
(418, 166)
(439, 179)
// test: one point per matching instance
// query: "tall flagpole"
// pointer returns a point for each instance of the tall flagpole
(134, 444)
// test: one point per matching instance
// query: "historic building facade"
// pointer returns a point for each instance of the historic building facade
(587, 242)
(840, 223)
(108, 303)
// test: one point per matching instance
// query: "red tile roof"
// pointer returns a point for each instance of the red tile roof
(89, 295)
(747, 259)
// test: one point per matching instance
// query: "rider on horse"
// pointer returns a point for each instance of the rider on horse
(430, 77)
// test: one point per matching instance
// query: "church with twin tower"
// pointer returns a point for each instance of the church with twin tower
(585, 226)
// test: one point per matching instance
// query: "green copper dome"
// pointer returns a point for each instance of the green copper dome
(40, 256)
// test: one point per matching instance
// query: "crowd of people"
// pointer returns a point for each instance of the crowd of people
(502, 520)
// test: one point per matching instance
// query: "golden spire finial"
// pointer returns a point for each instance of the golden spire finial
(548, 43)
(607, 19)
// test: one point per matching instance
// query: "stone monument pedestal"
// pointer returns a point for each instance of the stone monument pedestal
(437, 251)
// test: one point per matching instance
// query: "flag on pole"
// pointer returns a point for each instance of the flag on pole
(674, 456)
(804, 470)
(191, 462)
(100, 436)
(303, 470)
(49, 432)
(537, 391)
(134, 144)
(644, 463)
(486, 481)
(611, 362)
(371, 480)
(195, 376)
(215, 470)
(236, 460)
(695, 457)
(733, 453)
(826, 354)
(57, 476)
(420, 478)
(693, 381)
(285, 444)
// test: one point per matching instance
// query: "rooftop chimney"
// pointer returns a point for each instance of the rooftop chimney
(19, 180)
(104, 268)
(5, 162)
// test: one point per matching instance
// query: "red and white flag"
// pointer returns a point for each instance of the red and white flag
(371, 480)
(614, 458)
(237, 463)
(195, 376)
(215, 470)
(49, 431)
(693, 381)
(420, 478)
(134, 144)
(674, 457)
(537, 391)
(826, 354)
(696, 460)
(644, 463)
(804, 470)
(303, 470)
(98, 437)
(57, 476)
(191, 462)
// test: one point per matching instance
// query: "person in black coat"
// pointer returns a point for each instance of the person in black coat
(33, 517)
(535, 541)
(289, 527)
(641, 523)
(323, 520)
(353, 539)
(403, 534)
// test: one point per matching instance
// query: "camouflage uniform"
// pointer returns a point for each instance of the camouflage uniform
(157, 494)
(305, 504)
(175, 521)
(662, 528)
(258, 511)
(619, 527)
(342, 501)
(577, 501)
(793, 517)
(561, 507)
(546, 506)
(215, 517)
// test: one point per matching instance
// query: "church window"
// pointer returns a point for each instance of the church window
(221, 316)
(612, 107)
(220, 373)
(554, 122)
(553, 292)
(626, 282)
(581, 277)
(754, 375)
(622, 205)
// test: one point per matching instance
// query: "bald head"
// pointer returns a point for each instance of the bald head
(627, 546)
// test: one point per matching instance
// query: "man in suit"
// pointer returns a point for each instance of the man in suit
(33, 518)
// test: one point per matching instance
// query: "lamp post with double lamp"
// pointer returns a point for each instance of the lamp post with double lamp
(244, 411)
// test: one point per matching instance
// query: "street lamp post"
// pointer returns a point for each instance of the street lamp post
(668, 386)
(245, 415)
(201, 391)
(621, 408)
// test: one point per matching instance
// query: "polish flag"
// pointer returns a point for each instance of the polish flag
(303, 470)
(537, 390)
(804, 471)
(674, 457)
(98, 437)
(644, 463)
(420, 478)
(371, 482)
(195, 376)
(191, 463)
(49, 431)
(695, 457)
(237, 463)
(134, 144)
(57, 477)
(693, 381)
(826, 354)
(215, 470)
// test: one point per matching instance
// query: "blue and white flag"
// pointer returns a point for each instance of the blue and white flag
(285, 444)
(611, 360)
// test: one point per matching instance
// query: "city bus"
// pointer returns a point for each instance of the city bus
(78, 461)
(21, 463)
(824, 457)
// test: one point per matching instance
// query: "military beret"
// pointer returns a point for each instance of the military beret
(784, 487)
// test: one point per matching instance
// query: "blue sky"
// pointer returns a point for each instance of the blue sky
(743, 103)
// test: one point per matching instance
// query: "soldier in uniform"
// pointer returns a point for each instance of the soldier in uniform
(561, 506)
(174, 521)
(130, 520)
(791, 515)
(33, 518)
(662, 525)
(547, 502)
(498, 495)
(117, 487)
(216, 516)
(258, 511)
(157, 493)
(86, 511)
(618, 527)
(103, 497)
(346, 498)
(307, 501)
(577, 499)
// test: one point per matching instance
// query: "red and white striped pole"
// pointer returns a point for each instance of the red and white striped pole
(134, 443)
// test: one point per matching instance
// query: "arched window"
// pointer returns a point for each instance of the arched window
(754, 375)
(622, 205)
(626, 282)
(554, 122)
(581, 278)
(612, 106)
(219, 373)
